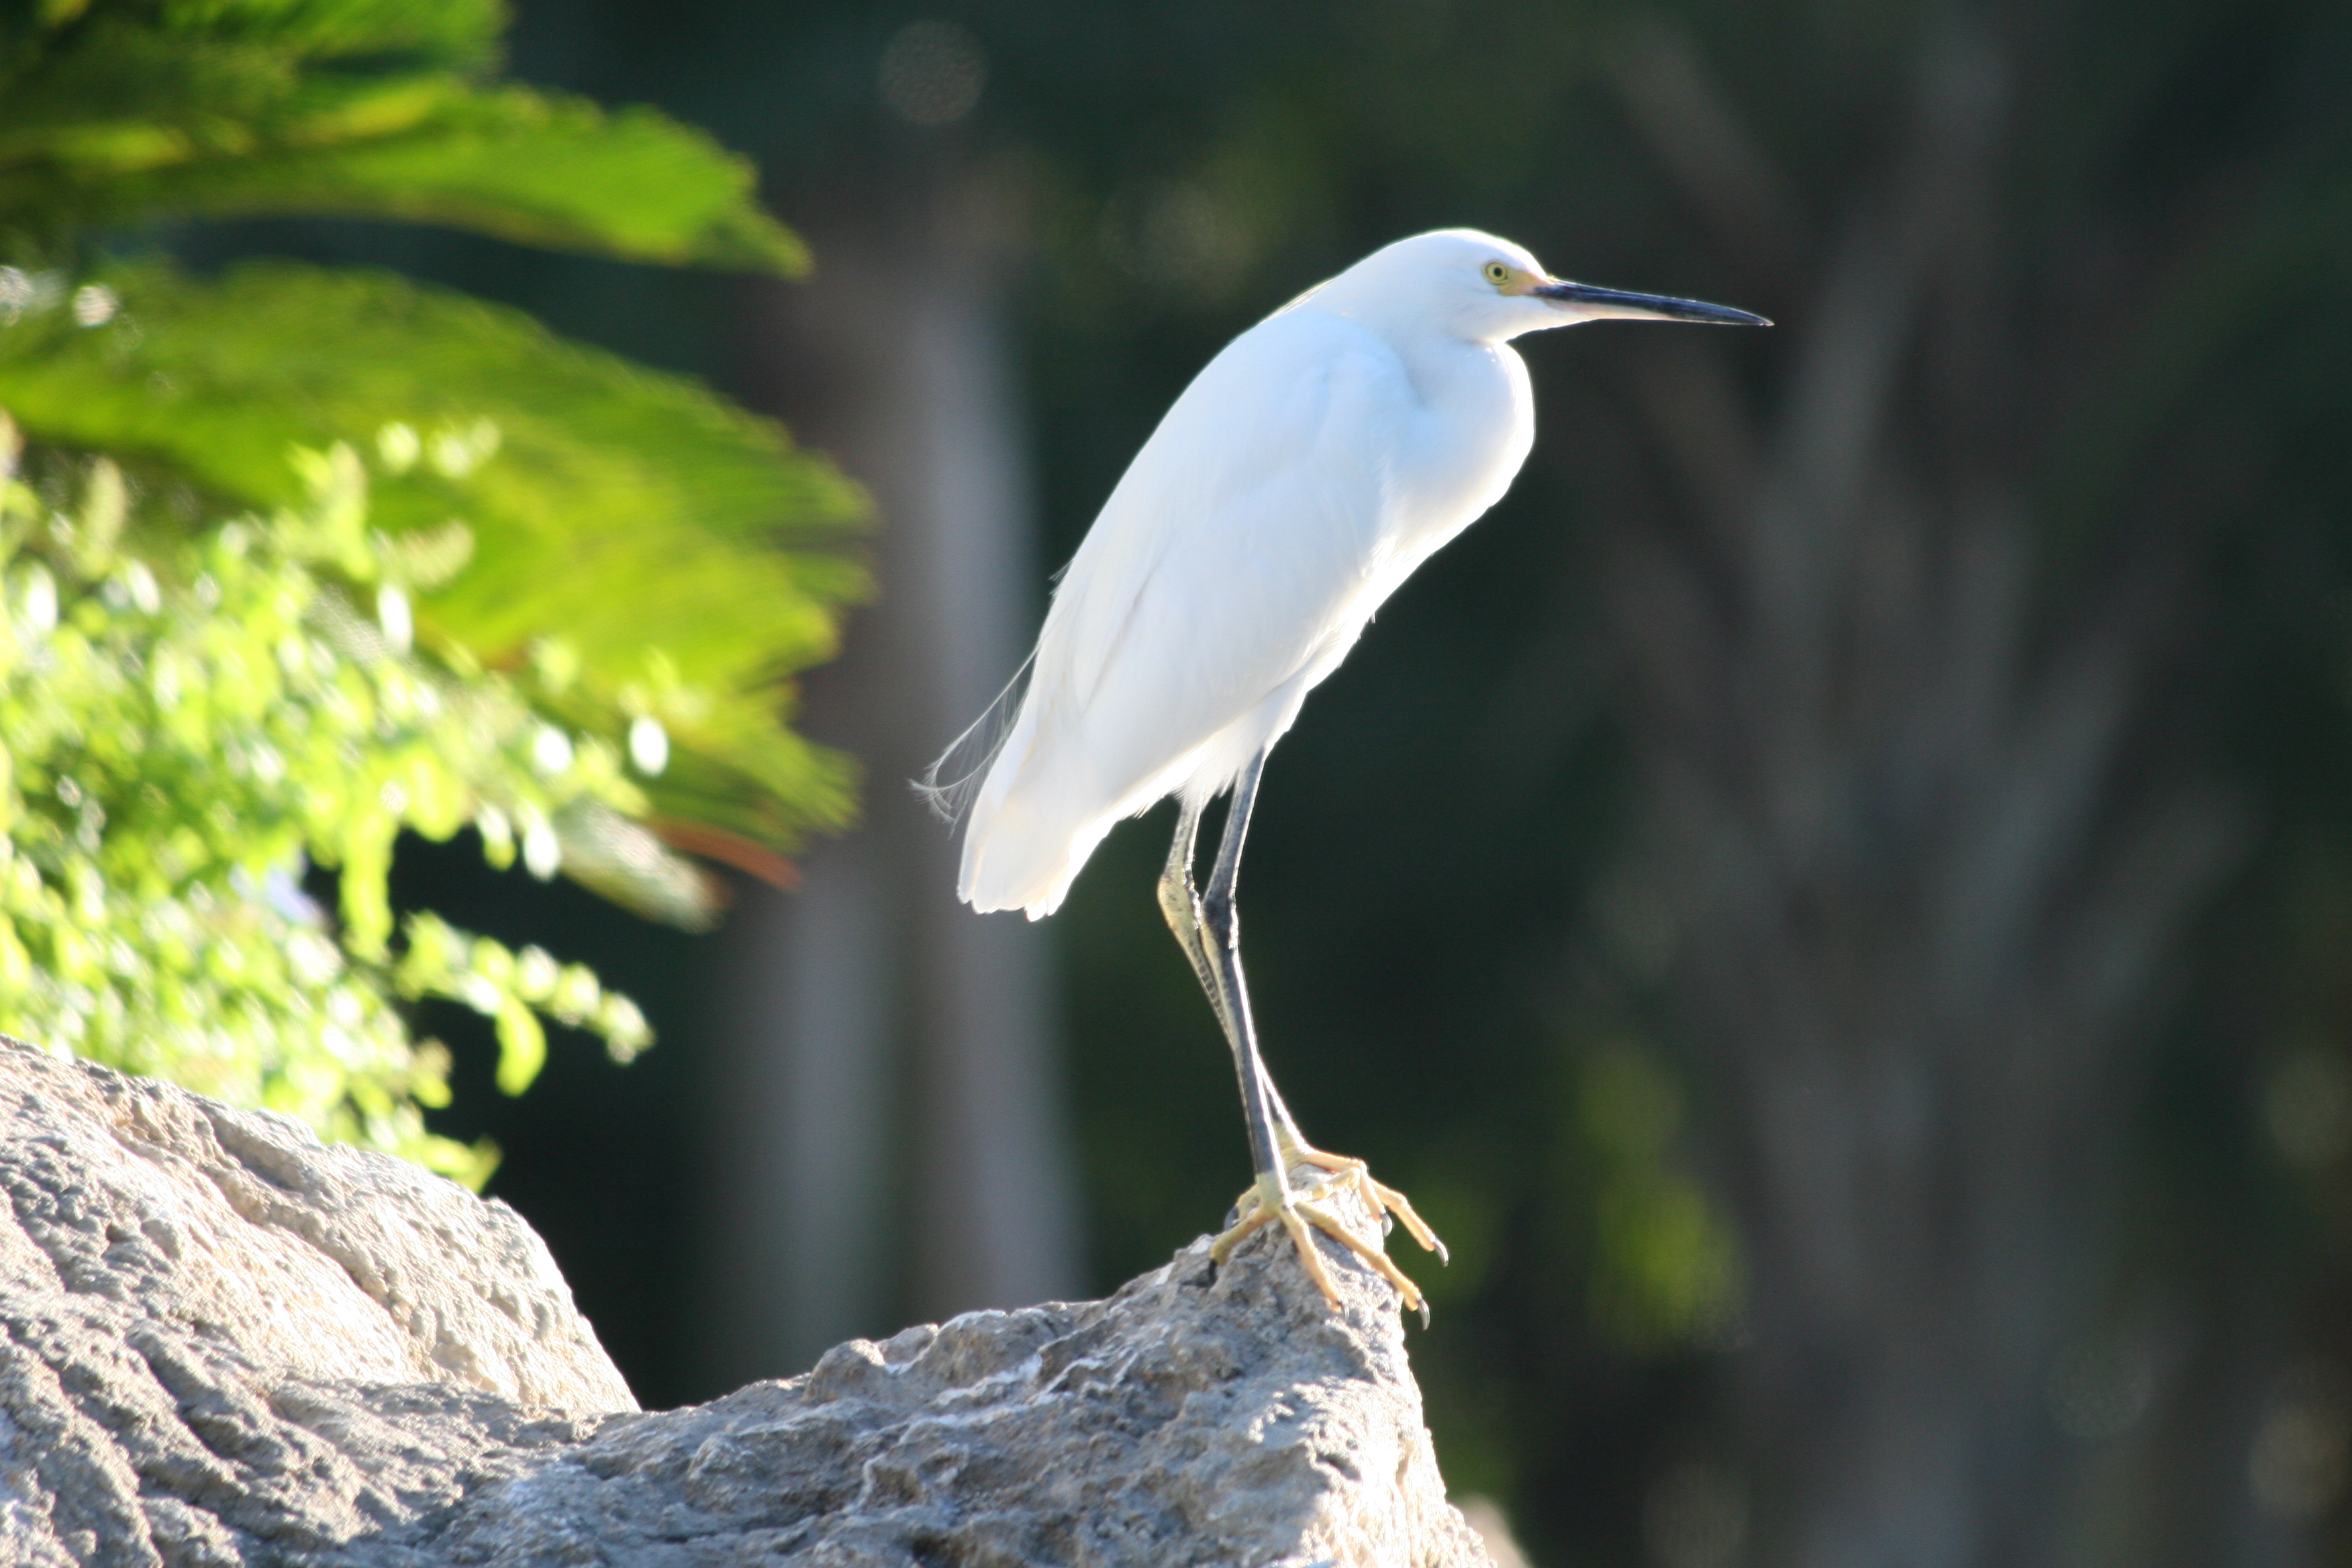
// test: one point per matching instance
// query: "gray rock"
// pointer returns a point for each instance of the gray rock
(222, 1342)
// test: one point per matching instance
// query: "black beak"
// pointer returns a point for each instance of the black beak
(1599, 304)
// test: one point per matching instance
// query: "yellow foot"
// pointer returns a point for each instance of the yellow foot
(1264, 1204)
(1378, 1199)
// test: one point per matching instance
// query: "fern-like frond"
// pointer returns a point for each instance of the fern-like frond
(138, 110)
(631, 517)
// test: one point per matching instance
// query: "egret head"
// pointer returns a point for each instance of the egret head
(1487, 289)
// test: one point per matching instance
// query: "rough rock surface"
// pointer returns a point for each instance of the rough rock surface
(222, 1343)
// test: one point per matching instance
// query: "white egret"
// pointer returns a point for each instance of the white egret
(1320, 458)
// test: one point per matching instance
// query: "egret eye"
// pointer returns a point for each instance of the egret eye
(1497, 273)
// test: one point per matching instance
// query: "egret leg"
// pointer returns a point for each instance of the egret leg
(1209, 932)
(1181, 903)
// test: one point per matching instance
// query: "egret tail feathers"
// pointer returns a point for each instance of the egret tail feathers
(1020, 859)
(1032, 824)
(1036, 809)
(950, 785)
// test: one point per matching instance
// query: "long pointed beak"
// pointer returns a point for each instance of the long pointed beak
(1599, 304)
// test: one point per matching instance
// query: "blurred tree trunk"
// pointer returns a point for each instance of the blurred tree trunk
(1928, 850)
(894, 1139)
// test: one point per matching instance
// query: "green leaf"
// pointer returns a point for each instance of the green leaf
(556, 173)
(686, 556)
(522, 1048)
(351, 111)
(452, 33)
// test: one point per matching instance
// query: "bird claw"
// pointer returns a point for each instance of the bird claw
(1269, 1200)
(1380, 1198)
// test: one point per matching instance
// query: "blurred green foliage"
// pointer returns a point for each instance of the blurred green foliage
(127, 109)
(1664, 1270)
(634, 511)
(186, 732)
(299, 558)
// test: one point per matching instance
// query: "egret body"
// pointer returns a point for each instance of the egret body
(1304, 474)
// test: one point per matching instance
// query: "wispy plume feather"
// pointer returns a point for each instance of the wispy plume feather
(948, 785)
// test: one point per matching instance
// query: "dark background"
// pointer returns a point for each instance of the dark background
(1834, 898)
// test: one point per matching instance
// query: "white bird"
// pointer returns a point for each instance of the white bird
(1304, 474)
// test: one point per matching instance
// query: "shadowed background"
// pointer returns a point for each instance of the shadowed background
(1834, 897)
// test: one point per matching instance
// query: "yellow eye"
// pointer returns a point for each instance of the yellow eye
(1497, 273)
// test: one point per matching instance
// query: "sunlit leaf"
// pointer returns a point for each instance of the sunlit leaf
(133, 111)
(632, 513)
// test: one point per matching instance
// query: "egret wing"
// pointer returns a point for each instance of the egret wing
(1275, 456)
(1236, 551)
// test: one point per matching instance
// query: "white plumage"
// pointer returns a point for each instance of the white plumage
(1303, 475)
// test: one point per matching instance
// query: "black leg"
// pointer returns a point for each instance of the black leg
(1220, 934)
(1180, 904)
